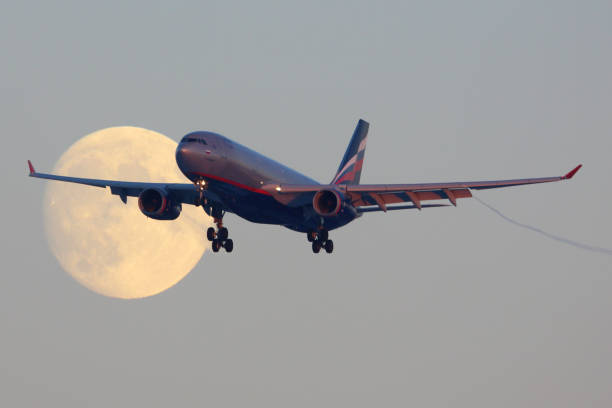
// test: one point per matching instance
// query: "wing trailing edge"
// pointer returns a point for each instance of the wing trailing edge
(381, 195)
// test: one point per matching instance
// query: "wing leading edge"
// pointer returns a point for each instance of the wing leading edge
(379, 196)
(184, 193)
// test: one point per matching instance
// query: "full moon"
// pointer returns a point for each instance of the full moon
(107, 246)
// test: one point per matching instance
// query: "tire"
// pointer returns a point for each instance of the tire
(329, 246)
(216, 245)
(228, 245)
(323, 235)
(223, 233)
(210, 234)
(316, 246)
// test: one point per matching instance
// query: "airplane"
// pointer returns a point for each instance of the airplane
(229, 177)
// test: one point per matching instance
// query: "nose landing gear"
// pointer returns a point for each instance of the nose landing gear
(320, 240)
(220, 237)
(201, 186)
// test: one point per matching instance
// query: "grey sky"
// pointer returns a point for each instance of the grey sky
(447, 307)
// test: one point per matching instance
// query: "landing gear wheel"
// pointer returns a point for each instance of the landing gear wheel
(223, 233)
(329, 246)
(220, 238)
(323, 235)
(316, 246)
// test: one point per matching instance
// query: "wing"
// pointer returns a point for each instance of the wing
(184, 193)
(382, 197)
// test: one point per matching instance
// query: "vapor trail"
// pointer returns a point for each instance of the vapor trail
(546, 234)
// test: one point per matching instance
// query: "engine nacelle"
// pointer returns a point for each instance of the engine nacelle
(155, 203)
(327, 203)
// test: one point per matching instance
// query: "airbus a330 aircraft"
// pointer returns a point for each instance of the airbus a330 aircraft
(228, 177)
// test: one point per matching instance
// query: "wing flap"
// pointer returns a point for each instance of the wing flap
(381, 195)
(416, 197)
(398, 207)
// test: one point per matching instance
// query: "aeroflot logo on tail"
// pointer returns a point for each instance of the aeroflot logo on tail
(353, 166)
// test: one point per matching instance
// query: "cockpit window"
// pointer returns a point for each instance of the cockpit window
(194, 140)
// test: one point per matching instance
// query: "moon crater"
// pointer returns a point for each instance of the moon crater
(111, 248)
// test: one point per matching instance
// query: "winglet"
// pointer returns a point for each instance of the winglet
(32, 171)
(571, 173)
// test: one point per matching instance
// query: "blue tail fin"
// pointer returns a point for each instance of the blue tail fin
(349, 171)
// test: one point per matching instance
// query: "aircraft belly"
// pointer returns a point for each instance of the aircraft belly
(261, 209)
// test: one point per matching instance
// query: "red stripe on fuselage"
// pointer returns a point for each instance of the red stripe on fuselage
(234, 183)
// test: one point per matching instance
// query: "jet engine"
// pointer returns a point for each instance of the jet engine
(327, 203)
(157, 204)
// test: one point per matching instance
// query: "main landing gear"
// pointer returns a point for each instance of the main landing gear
(220, 237)
(320, 240)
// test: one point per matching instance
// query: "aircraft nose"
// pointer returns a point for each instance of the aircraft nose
(181, 155)
(180, 151)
